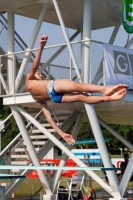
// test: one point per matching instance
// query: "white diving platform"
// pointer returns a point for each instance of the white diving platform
(111, 112)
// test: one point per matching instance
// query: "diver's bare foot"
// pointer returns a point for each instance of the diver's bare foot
(109, 90)
(117, 95)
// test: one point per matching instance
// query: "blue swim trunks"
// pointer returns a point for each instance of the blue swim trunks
(54, 96)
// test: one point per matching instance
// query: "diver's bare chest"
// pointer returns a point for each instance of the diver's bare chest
(38, 86)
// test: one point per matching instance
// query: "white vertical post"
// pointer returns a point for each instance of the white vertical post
(48, 71)
(0, 78)
(104, 73)
(87, 18)
(10, 49)
(103, 149)
(0, 142)
(32, 41)
(71, 70)
(14, 73)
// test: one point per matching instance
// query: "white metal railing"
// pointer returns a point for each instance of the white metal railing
(15, 54)
(47, 66)
(48, 47)
(4, 121)
(17, 137)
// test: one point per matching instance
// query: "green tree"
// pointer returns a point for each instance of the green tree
(11, 130)
(124, 130)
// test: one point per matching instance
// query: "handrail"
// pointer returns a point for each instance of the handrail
(4, 26)
(14, 140)
(6, 119)
(48, 47)
(19, 39)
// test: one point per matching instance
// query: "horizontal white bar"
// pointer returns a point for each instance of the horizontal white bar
(18, 99)
(27, 98)
(48, 47)
(57, 168)
(38, 131)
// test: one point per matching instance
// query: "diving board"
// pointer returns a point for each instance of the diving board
(59, 168)
(10, 176)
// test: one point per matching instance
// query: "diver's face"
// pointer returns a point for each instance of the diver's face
(38, 76)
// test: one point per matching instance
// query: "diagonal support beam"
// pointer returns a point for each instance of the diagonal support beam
(87, 20)
(126, 176)
(31, 44)
(44, 150)
(4, 83)
(3, 80)
(64, 156)
(99, 75)
(67, 39)
(30, 148)
(58, 52)
(64, 149)
(118, 136)
(129, 169)
(130, 43)
(49, 144)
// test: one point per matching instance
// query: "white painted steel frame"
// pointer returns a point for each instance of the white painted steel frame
(30, 148)
(130, 42)
(114, 190)
(99, 73)
(58, 52)
(129, 169)
(126, 176)
(49, 144)
(64, 157)
(11, 85)
(18, 136)
(53, 46)
(67, 40)
(43, 151)
(63, 148)
(113, 132)
(2, 80)
(71, 52)
(86, 6)
(30, 46)
(87, 20)
(113, 181)
(10, 50)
